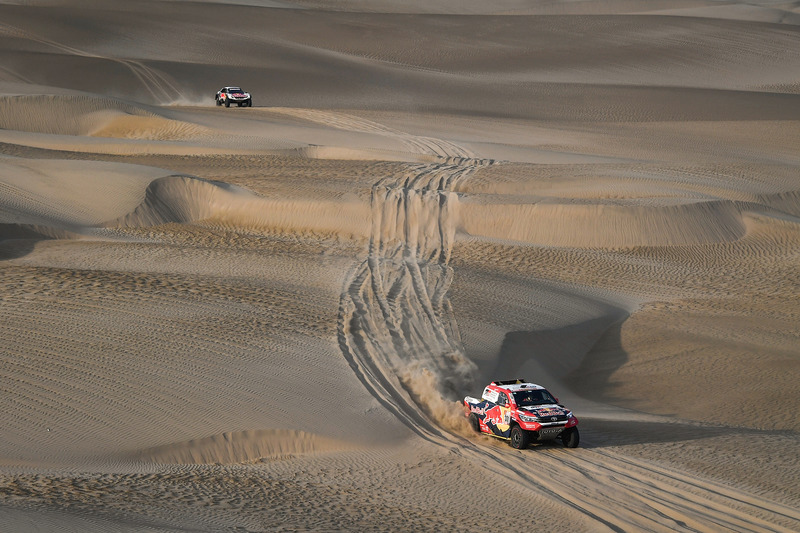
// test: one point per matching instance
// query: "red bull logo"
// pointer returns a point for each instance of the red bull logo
(494, 416)
(549, 412)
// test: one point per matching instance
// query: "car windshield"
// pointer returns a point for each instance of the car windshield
(533, 397)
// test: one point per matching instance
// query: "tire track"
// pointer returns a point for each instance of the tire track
(396, 325)
(641, 495)
(156, 83)
(397, 333)
(418, 145)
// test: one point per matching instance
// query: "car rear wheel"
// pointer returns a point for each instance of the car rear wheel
(519, 438)
(474, 423)
(571, 438)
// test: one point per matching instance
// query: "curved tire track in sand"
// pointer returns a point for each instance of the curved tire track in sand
(397, 333)
(159, 86)
(626, 494)
(395, 322)
(415, 144)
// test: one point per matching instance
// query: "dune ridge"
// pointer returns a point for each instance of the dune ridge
(178, 199)
(240, 447)
(32, 195)
(65, 114)
(606, 225)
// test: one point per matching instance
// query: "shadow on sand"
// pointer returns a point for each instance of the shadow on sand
(17, 241)
(555, 357)
(600, 433)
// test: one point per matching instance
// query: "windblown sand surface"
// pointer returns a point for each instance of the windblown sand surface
(262, 319)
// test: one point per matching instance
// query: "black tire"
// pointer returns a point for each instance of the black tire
(474, 423)
(217, 101)
(227, 103)
(519, 438)
(571, 438)
(249, 103)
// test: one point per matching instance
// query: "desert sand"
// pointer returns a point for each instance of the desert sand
(263, 319)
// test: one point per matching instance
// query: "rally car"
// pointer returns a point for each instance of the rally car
(233, 95)
(521, 412)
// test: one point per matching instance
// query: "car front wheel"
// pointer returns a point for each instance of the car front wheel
(519, 438)
(571, 438)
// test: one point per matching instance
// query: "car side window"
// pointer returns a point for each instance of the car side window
(490, 395)
(502, 399)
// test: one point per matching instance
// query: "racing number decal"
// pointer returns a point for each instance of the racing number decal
(505, 420)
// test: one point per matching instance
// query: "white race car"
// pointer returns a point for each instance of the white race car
(233, 95)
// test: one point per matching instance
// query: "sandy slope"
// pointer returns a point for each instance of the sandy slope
(262, 319)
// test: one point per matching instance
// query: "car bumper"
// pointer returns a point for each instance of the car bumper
(552, 428)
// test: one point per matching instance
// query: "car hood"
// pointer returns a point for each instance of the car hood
(542, 411)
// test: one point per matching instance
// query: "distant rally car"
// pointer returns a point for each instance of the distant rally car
(521, 412)
(233, 95)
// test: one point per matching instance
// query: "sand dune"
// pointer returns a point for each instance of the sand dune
(263, 318)
(90, 116)
(609, 224)
(184, 200)
(32, 192)
(240, 447)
